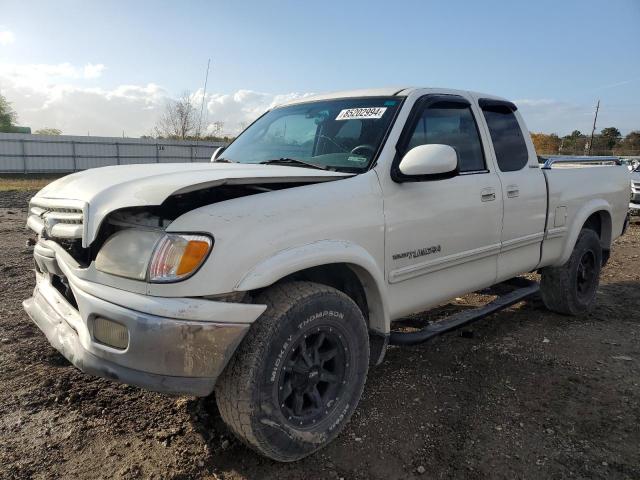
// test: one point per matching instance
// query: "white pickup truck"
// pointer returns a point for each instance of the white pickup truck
(273, 274)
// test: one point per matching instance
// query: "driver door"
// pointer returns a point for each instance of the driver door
(442, 234)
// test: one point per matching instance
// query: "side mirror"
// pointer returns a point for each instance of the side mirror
(433, 159)
(217, 152)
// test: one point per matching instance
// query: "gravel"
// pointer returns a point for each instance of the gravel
(569, 407)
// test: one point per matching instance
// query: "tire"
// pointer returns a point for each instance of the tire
(571, 289)
(285, 404)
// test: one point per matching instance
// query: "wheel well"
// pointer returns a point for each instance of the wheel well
(338, 276)
(358, 284)
(600, 222)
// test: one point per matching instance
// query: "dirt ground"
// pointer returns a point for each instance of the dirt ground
(522, 394)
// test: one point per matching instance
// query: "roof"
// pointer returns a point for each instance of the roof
(365, 92)
(383, 92)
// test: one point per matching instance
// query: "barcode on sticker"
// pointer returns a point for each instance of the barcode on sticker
(361, 113)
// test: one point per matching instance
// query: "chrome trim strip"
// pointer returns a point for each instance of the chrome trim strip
(522, 241)
(411, 271)
(555, 232)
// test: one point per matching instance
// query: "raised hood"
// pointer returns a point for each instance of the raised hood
(100, 191)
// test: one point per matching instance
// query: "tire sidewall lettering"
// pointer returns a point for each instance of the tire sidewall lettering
(336, 317)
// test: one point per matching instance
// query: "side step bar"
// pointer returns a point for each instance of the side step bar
(463, 318)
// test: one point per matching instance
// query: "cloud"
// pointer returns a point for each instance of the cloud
(7, 37)
(238, 109)
(65, 96)
(69, 97)
(93, 71)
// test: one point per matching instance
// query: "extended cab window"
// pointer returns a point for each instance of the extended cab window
(506, 134)
(451, 123)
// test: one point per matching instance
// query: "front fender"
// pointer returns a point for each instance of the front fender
(324, 252)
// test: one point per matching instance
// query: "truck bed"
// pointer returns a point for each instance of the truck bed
(577, 186)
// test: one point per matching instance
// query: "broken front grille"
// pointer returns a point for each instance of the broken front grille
(57, 218)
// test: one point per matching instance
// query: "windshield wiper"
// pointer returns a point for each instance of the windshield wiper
(223, 160)
(293, 161)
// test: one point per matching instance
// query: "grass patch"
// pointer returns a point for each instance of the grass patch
(25, 182)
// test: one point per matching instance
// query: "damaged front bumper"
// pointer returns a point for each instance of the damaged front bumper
(174, 345)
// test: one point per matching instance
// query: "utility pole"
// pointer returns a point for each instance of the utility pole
(593, 130)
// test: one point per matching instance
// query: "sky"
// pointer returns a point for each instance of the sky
(108, 68)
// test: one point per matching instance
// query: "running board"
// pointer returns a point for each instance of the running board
(460, 319)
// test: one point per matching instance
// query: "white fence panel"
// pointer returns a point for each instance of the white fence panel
(23, 153)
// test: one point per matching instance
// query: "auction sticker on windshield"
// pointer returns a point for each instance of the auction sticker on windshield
(361, 113)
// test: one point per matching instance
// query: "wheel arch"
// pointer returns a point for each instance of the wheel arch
(339, 264)
(595, 215)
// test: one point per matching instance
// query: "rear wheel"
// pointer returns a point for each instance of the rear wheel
(299, 373)
(571, 288)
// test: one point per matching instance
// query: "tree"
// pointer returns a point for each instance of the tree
(8, 116)
(546, 143)
(576, 134)
(216, 128)
(574, 143)
(179, 119)
(610, 137)
(630, 145)
(48, 131)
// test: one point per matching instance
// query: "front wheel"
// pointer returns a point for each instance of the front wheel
(571, 288)
(299, 373)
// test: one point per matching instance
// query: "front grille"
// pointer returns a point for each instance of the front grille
(636, 185)
(56, 218)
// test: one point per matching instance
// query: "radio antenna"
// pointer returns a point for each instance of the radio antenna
(204, 95)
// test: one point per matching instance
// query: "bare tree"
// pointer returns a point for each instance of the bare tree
(216, 128)
(179, 119)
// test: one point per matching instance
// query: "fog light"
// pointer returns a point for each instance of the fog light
(110, 333)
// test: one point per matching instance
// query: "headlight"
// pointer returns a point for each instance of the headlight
(153, 256)
(127, 253)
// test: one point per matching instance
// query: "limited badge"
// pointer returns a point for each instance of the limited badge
(361, 113)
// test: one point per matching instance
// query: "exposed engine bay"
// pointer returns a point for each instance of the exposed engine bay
(161, 216)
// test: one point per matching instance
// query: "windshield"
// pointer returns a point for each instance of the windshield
(342, 134)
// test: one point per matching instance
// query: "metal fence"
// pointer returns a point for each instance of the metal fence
(24, 153)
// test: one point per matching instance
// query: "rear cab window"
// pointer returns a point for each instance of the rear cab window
(508, 141)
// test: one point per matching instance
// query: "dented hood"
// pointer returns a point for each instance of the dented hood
(103, 190)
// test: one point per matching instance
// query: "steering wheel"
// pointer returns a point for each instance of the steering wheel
(370, 148)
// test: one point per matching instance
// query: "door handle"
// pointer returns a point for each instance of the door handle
(513, 191)
(488, 194)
